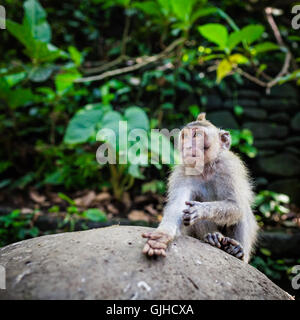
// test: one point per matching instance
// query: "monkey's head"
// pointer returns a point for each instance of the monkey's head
(201, 141)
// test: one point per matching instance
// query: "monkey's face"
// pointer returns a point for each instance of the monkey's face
(202, 144)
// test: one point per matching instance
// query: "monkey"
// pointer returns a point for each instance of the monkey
(215, 204)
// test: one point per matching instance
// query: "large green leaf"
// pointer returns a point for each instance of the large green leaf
(151, 8)
(252, 32)
(21, 32)
(44, 52)
(35, 20)
(183, 9)
(215, 33)
(136, 118)
(83, 125)
(95, 215)
(165, 6)
(234, 39)
(265, 46)
(40, 73)
(64, 81)
(202, 13)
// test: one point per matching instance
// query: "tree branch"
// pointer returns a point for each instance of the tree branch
(143, 62)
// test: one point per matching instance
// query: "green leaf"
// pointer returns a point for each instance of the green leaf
(183, 9)
(282, 198)
(215, 33)
(20, 32)
(149, 7)
(136, 118)
(224, 68)
(111, 121)
(265, 252)
(194, 110)
(40, 73)
(165, 6)
(66, 198)
(134, 171)
(65, 81)
(83, 125)
(238, 59)
(44, 52)
(234, 39)
(252, 32)
(35, 21)
(238, 110)
(202, 13)
(265, 46)
(13, 79)
(76, 56)
(95, 215)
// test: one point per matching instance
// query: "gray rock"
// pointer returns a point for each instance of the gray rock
(107, 263)
(248, 103)
(281, 117)
(284, 164)
(268, 144)
(255, 113)
(213, 102)
(296, 122)
(266, 130)
(261, 181)
(291, 187)
(266, 153)
(228, 104)
(294, 141)
(279, 104)
(245, 93)
(223, 119)
(284, 90)
(292, 150)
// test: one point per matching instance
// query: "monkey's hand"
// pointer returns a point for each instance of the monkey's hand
(192, 213)
(157, 243)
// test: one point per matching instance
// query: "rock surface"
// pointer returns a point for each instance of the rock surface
(107, 263)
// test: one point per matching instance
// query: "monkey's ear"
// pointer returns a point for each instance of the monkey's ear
(201, 116)
(225, 139)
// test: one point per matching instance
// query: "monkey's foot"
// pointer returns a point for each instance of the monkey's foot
(233, 247)
(215, 239)
(226, 244)
(157, 243)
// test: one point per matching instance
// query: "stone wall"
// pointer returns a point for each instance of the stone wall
(274, 120)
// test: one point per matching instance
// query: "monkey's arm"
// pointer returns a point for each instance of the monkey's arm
(221, 212)
(179, 192)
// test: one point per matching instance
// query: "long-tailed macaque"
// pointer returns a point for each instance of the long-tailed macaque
(209, 195)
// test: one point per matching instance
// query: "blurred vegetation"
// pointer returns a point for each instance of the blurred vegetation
(69, 69)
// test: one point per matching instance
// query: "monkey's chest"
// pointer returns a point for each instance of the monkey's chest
(206, 192)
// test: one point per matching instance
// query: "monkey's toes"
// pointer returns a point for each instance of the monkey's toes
(214, 239)
(235, 250)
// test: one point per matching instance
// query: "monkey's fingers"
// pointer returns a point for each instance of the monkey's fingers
(146, 235)
(150, 252)
(190, 203)
(160, 252)
(157, 244)
(146, 248)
